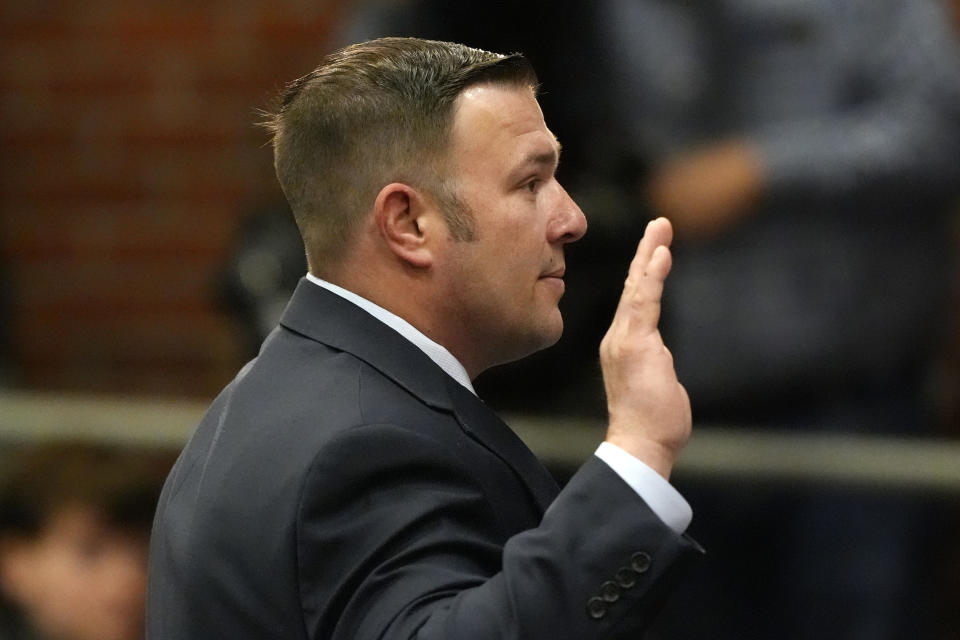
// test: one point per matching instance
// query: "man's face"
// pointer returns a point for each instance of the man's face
(80, 579)
(502, 288)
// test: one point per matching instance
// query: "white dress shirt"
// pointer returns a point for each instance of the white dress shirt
(660, 496)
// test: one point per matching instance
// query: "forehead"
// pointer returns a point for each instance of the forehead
(499, 124)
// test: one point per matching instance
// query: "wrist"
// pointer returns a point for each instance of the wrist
(655, 455)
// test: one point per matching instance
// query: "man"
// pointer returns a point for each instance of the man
(348, 484)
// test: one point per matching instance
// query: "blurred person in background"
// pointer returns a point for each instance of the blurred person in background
(808, 153)
(74, 525)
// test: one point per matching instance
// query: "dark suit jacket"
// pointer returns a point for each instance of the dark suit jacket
(343, 486)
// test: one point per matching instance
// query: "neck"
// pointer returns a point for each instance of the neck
(411, 295)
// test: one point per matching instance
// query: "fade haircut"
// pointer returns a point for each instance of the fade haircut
(371, 114)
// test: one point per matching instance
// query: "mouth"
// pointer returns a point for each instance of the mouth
(557, 273)
(554, 281)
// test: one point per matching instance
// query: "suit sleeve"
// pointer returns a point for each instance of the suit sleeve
(395, 539)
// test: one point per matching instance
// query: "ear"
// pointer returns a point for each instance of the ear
(409, 223)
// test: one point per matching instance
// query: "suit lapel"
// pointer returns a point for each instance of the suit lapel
(326, 317)
(482, 424)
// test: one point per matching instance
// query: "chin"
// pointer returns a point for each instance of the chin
(548, 333)
(525, 338)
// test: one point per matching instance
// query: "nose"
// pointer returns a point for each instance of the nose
(568, 223)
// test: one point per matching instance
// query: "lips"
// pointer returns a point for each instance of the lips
(554, 280)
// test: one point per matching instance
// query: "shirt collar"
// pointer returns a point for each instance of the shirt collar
(443, 358)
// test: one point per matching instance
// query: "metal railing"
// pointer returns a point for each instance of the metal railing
(923, 464)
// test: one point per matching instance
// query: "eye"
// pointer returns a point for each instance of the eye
(532, 185)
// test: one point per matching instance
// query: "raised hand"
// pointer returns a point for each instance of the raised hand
(648, 407)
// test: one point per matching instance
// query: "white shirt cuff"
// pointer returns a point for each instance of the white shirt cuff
(660, 496)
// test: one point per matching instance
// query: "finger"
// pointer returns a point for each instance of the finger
(644, 299)
(639, 306)
(659, 232)
(659, 267)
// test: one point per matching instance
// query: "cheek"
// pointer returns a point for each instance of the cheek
(108, 598)
(520, 250)
(58, 595)
(57, 575)
(71, 584)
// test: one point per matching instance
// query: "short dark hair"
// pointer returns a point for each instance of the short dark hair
(370, 114)
(121, 483)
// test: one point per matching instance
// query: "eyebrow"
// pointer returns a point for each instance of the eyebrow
(551, 157)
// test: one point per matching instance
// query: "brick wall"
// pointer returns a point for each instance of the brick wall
(127, 155)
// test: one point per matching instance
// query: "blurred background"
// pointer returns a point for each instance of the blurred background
(808, 152)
